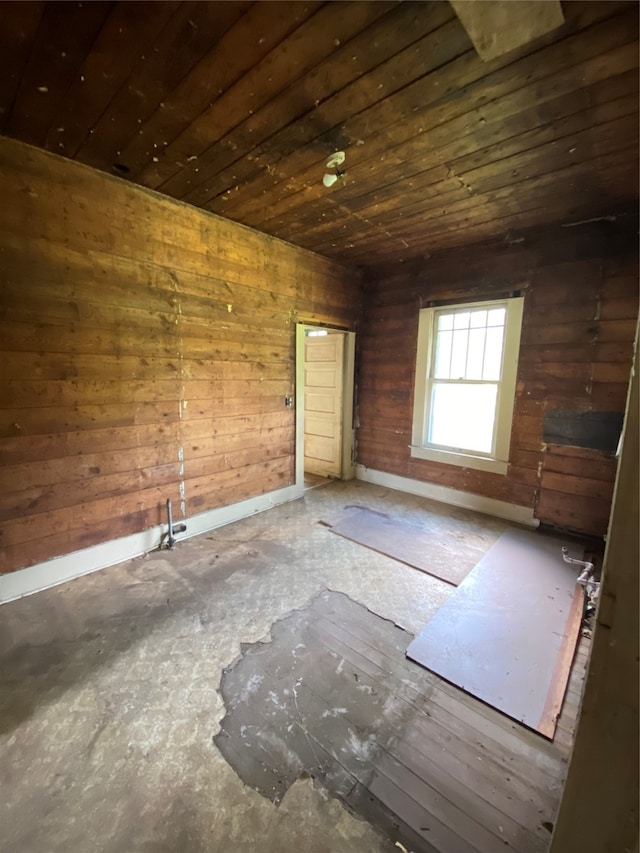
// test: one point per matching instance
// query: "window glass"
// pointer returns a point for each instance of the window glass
(496, 317)
(459, 354)
(461, 320)
(443, 355)
(475, 354)
(478, 319)
(462, 416)
(493, 354)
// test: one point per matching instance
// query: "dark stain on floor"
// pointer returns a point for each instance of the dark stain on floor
(326, 697)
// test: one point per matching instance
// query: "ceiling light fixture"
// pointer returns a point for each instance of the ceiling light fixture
(334, 162)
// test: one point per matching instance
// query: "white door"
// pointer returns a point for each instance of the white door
(323, 409)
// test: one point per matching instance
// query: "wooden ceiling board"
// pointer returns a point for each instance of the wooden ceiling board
(470, 132)
(195, 28)
(244, 48)
(324, 129)
(378, 152)
(549, 204)
(440, 184)
(441, 133)
(508, 169)
(518, 193)
(19, 24)
(130, 32)
(461, 197)
(464, 210)
(502, 167)
(355, 57)
(227, 131)
(64, 36)
(235, 107)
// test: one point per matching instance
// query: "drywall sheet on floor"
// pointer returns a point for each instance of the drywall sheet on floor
(508, 633)
(403, 542)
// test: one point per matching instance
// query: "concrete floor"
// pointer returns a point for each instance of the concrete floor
(109, 684)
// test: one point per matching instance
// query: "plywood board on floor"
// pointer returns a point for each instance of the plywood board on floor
(403, 542)
(508, 633)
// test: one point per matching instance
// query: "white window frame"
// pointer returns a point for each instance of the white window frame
(498, 460)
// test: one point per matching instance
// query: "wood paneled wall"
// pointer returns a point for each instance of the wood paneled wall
(607, 735)
(146, 350)
(581, 303)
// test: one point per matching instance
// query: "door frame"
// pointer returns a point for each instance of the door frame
(348, 385)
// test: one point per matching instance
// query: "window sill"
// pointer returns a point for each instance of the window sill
(461, 460)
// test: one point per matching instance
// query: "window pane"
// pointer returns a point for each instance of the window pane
(461, 320)
(443, 355)
(445, 322)
(475, 354)
(462, 416)
(459, 354)
(478, 319)
(493, 353)
(496, 317)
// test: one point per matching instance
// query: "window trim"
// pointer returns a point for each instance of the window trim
(498, 462)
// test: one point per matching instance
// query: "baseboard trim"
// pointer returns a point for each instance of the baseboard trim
(454, 497)
(59, 570)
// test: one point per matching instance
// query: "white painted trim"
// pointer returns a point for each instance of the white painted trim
(454, 497)
(348, 384)
(300, 336)
(466, 460)
(62, 569)
(497, 460)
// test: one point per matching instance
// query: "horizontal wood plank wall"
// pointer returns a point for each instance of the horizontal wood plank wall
(581, 303)
(146, 349)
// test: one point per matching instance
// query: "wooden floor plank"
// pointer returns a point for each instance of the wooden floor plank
(454, 804)
(494, 789)
(418, 816)
(446, 756)
(456, 808)
(445, 701)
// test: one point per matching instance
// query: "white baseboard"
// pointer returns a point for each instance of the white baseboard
(443, 494)
(62, 569)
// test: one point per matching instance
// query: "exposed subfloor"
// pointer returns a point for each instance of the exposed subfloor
(110, 695)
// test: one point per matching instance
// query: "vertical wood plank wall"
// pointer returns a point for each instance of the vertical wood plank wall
(146, 351)
(581, 303)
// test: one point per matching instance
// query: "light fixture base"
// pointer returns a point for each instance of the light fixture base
(336, 160)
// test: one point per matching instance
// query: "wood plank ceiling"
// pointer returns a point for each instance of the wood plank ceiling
(235, 106)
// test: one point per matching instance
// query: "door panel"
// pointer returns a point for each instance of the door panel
(324, 366)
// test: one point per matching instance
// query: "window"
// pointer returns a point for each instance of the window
(466, 369)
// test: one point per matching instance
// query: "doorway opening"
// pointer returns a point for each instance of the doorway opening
(325, 363)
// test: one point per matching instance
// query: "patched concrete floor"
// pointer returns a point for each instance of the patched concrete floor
(109, 697)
